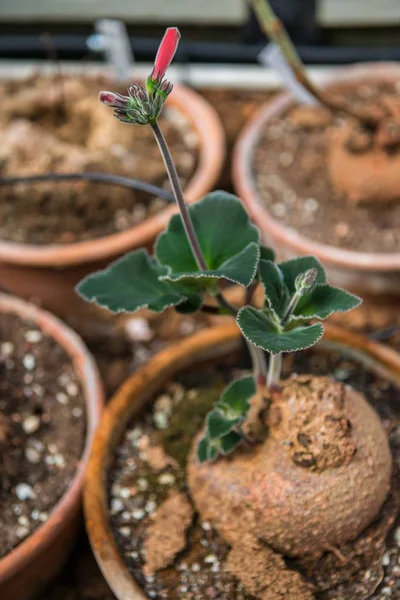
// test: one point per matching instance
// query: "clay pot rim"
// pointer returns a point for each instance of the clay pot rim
(205, 121)
(132, 396)
(245, 185)
(85, 365)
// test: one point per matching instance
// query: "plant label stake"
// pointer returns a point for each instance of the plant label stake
(271, 56)
(116, 46)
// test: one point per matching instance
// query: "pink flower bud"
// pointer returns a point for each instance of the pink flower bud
(166, 52)
(113, 100)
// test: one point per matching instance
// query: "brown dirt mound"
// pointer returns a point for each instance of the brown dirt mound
(166, 535)
(360, 169)
(264, 574)
(294, 509)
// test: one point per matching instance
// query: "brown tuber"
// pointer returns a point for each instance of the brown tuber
(319, 478)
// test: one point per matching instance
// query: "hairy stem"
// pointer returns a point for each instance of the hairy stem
(274, 373)
(256, 354)
(291, 308)
(127, 182)
(276, 31)
(178, 193)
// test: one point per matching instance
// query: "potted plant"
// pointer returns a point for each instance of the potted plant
(271, 486)
(50, 401)
(54, 233)
(321, 178)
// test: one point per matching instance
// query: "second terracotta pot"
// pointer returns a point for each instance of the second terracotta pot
(140, 389)
(366, 273)
(48, 274)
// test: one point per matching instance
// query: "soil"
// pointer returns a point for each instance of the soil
(60, 126)
(365, 568)
(42, 427)
(291, 169)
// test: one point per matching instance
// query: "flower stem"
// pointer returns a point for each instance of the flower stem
(291, 308)
(256, 354)
(178, 193)
(274, 373)
(276, 31)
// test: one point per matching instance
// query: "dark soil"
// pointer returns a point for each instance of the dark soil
(42, 428)
(290, 169)
(60, 126)
(366, 568)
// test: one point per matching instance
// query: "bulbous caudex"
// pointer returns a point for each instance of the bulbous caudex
(316, 481)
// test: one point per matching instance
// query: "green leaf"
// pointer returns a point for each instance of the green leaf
(230, 441)
(258, 329)
(227, 238)
(218, 425)
(191, 305)
(130, 283)
(233, 270)
(292, 268)
(325, 300)
(234, 401)
(207, 449)
(202, 449)
(276, 292)
(267, 253)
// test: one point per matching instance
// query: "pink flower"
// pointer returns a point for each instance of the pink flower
(166, 52)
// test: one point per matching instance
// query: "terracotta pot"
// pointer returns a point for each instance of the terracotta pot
(139, 390)
(48, 274)
(34, 562)
(366, 273)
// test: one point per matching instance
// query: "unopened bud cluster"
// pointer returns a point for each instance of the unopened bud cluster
(139, 107)
(306, 282)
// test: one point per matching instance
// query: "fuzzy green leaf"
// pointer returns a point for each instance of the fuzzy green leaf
(227, 238)
(267, 253)
(276, 292)
(219, 425)
(191, 305)
(292, 268)
(208, 449)
(325, 300)
(130, 283)
(229, 442)
(234, 401)
(258, 329)
(203, 450)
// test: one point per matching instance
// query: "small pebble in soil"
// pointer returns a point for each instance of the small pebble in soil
(126, 493)
(116, 505)
(138, 514)
(31, 424)
(386, 559)
(29, 362)
(33, 336)
(72, 389)
(32, 455)
(138, 329)
(342, 229)
(278, 209)
(166, 479)
(62, 398)
(7, 348)
(21, 532)
(311, 205)
(285, 159)
(24, 492)
(160, 420)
